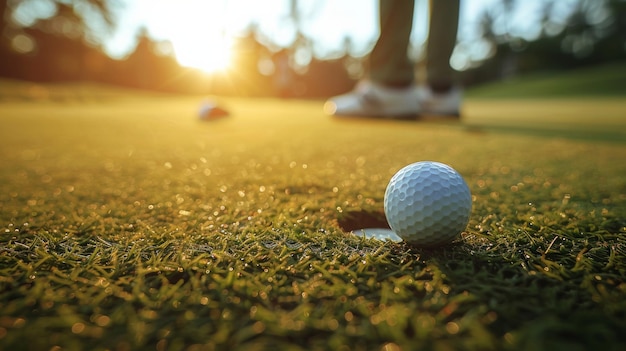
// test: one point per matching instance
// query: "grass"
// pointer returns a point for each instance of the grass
(597, 81)
(127, 224)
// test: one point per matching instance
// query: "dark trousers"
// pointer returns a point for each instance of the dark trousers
(389, 62)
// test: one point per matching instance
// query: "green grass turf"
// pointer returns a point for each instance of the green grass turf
(127, 224)
(598, 81)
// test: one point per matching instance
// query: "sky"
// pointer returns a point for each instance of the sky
(195, 28)
(192, 24)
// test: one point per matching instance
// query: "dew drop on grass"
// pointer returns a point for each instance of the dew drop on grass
(258, 327)
(103, 320)
(452, 328)
(78, 328)
(348, 316)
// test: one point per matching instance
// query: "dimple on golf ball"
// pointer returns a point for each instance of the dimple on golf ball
(428, 204)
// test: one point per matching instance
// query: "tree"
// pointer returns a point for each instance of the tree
(574, 34)
(76, 12)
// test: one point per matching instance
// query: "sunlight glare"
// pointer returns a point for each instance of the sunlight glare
(208, 53)
(197, 31)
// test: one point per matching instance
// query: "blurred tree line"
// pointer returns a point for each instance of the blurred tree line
(63, 47)
(588, 33)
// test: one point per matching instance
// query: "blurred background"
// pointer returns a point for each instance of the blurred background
(287, 48)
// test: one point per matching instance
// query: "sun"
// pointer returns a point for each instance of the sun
(199, 31)
(209, 53)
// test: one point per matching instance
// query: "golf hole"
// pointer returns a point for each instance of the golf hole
(372, 225)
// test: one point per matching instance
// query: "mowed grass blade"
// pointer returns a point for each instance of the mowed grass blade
(128, 224)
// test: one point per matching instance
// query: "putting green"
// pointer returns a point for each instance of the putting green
(128, 223)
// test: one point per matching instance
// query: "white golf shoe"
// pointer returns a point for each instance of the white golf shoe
(370, 99)
(440, 104)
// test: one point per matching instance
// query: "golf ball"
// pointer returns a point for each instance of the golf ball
(427, 203)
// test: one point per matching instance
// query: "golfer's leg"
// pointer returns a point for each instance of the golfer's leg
(389, 63)
(444, 22)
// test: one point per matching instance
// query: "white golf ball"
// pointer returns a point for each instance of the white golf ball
(428, 204)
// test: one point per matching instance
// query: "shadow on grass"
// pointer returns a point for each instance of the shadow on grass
(614, 136)
(526, 304)
(520, 297)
